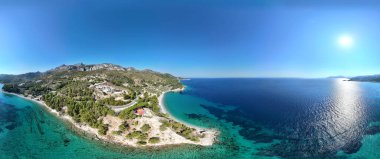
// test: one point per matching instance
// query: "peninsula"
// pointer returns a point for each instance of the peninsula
(367, 78)
(114, 104)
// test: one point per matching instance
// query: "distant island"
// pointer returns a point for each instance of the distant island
(367, 78)
(112, 103)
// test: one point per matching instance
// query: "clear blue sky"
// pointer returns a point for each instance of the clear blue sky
(199, 38)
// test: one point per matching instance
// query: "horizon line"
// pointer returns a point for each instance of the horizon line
(179, 76)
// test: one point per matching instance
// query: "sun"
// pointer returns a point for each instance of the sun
(345, 41)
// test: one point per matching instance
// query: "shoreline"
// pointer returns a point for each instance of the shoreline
(161, 99)
(211, 134)
(83, 128)
(163, 110)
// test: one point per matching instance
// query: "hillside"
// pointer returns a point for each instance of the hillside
(104, 94)
(113, 75)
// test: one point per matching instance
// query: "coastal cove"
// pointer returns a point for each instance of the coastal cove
(45, 128)
(121, 141)
(193, 79)
(110, 102)
(250, 122)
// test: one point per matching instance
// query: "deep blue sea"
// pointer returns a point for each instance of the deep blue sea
(285, 118)
(257, 118)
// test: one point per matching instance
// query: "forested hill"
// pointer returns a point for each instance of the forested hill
(87, 92)
(37, 83)
(90, 93)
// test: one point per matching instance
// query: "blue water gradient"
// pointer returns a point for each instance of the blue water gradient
(285, 118)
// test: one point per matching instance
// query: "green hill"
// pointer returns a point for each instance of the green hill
(88, 92)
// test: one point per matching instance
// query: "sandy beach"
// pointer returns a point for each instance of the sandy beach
(161, 99)
(163, 110)
(167, 137)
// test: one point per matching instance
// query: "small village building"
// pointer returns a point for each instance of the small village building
(140, 111)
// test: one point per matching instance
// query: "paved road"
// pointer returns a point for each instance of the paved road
(118, 109)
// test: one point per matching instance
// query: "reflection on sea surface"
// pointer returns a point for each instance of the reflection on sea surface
(345, 121)
(293, 118)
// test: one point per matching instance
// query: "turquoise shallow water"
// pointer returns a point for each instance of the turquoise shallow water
(27, 130)
(257, 118)
(186, 108)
